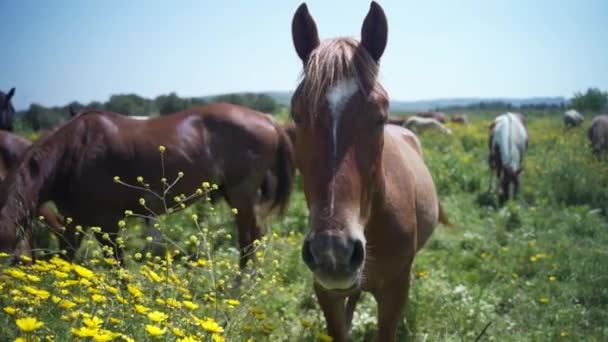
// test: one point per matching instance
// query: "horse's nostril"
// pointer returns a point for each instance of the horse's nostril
(358, 255)
(307, 256)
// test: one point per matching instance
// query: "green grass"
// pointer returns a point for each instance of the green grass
(535, 269)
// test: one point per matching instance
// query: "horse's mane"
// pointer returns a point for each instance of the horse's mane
(333, 61)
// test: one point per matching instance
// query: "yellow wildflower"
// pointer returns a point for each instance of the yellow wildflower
(93, 322)
(187, 339)
(59, 274)
(33, 278)
(217, 338)
(210, 325)
(543, 300)
(97, 298)
(172, 302)
(157, 316)
(16, 273)
(104, 336)
(85, 331)
(232, 302)
(134, 291)
(141, 309)
(190, 305)
(178, 332)
(10, 310)
(67, 304)
(153, 330)
(83, 272)
(28, 324)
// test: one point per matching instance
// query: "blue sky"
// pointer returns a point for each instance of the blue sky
(63, 50)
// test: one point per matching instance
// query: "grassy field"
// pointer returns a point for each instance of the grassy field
(535, 269)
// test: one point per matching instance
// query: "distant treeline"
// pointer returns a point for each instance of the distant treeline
(39, 117)
(500, 105)
(593, 100)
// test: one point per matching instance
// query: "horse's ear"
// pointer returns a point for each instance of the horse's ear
(304, 33)
(72, 112)
(10, 94)
(374, 32)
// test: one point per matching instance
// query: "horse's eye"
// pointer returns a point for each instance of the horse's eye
(381, 121)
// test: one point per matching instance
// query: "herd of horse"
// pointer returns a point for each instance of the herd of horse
(371, 198)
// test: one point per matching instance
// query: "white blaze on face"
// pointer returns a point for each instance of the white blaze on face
(338, 97)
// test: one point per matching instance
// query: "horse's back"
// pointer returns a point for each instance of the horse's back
(404, 166)
(598, 132)
(408, 136)
(510, 135)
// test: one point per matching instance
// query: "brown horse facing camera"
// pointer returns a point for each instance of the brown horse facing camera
(371, 198)
(75, 166)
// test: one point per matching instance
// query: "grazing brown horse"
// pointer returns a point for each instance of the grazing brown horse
(433, 115)
(75, 166)
(12, 147)
(508, 143)
(460, 119)
(598, 134)
(7, 111)
(371, 198)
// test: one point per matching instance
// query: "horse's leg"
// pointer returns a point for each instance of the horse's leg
(246, 222)
(515, 185)
(505, 188)
(351, 304)
(391, 299)
(333, 309)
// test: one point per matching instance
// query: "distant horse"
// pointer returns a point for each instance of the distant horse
(598, 134)
(439, 116)
(7, 111)
(572, 118)
(460, 119)
(419, 125)
(75, 166)
(508, 142)
(371, 198)
(399, 121)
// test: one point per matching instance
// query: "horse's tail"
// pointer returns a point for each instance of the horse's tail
(284, 170)
(443, 216)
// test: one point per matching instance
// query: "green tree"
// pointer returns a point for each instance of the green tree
(171, 103)
(261, 102)
(39, 117)
(130, 104)
(594, 100)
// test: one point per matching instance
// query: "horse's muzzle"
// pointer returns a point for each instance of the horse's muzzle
(335, 259)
